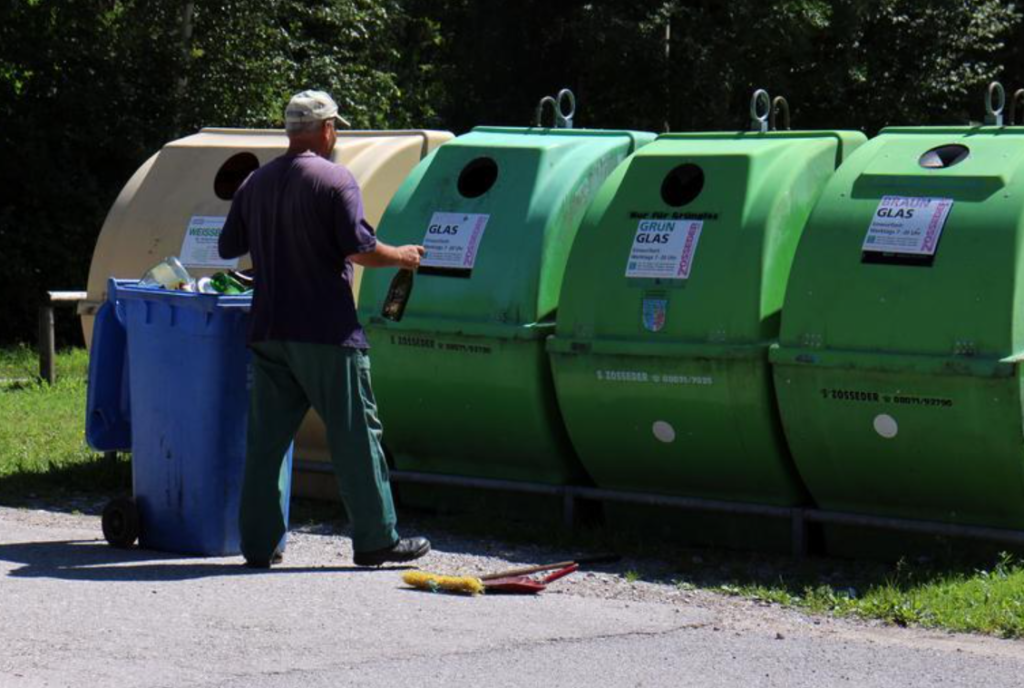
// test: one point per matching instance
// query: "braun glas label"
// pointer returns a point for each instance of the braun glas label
(907, 225)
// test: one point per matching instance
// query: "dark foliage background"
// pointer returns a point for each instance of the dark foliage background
(90, 88)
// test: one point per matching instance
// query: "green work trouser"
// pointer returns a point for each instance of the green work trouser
(288, 378)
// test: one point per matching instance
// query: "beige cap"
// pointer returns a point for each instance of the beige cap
(311, 106)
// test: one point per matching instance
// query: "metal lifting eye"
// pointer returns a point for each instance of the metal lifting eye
(562, 118)
(1015, 102)
(780, 108)
(766, 112)
(760, 109)
(564, 97)
(993, 113)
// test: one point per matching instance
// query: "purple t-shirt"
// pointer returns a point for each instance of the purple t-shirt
(300, 217)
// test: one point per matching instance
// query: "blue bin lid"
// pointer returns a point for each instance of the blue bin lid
(130, 289)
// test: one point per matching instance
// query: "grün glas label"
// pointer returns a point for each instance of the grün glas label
(663, 249)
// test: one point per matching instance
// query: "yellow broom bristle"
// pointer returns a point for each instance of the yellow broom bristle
(466, 585)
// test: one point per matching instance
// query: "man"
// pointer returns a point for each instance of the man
(301, 218)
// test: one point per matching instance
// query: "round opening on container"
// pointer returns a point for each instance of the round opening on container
(944, 156)
(478, 177)
(232, 173)
(682, 185)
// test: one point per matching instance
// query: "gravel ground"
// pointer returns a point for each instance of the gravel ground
(452, 555)
(628, 579)
(76, 613)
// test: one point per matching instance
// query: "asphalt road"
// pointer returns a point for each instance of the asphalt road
(74, 612)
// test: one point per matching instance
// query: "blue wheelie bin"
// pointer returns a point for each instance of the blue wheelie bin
(180, 403)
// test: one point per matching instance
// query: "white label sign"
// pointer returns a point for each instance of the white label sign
(664, 249)
(199, 249)
(453, 239)
(909, 225)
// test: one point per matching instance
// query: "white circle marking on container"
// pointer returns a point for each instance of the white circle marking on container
(886, 426)
(664, 432)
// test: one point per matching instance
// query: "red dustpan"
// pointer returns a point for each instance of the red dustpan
(526, 585)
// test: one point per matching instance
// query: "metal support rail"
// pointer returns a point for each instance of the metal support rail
(47, 341)
(799, 517)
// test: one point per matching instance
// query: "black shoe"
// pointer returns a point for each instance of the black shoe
(404, 550)
(277, 558)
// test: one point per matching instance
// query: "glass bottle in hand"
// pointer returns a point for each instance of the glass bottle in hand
(398, 296)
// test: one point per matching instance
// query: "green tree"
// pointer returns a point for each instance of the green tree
(693, 64)
(89, 90)
(81, 102)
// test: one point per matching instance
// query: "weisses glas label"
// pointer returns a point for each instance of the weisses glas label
(664, 249)
(910, 225)
(199, 249)
(453, 239)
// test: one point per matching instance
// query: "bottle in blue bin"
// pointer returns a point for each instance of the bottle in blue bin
(224, 283)
(221, 283)
(168, 274)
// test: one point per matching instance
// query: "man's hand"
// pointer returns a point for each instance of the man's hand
(409, 256)
(406, 257)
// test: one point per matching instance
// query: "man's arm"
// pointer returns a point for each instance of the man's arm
(360, 243)
(386, 256)
(233, 241)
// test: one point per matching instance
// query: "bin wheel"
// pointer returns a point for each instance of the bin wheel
(121, 522)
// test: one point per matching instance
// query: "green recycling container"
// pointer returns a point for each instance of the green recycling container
(898, 365)
(463, 381)
(672, 297)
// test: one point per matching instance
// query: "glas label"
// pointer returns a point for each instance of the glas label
(199, 249)
(664, 249)
(453, 239)
(908, 225)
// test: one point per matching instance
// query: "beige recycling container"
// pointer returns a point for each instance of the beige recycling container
(176, 202)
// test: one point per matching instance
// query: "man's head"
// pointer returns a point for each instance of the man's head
(309, 122)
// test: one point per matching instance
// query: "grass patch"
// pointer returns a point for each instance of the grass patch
(21, 363)
(974, 593)
(18, 362)
(43, 454)
(968, 595)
